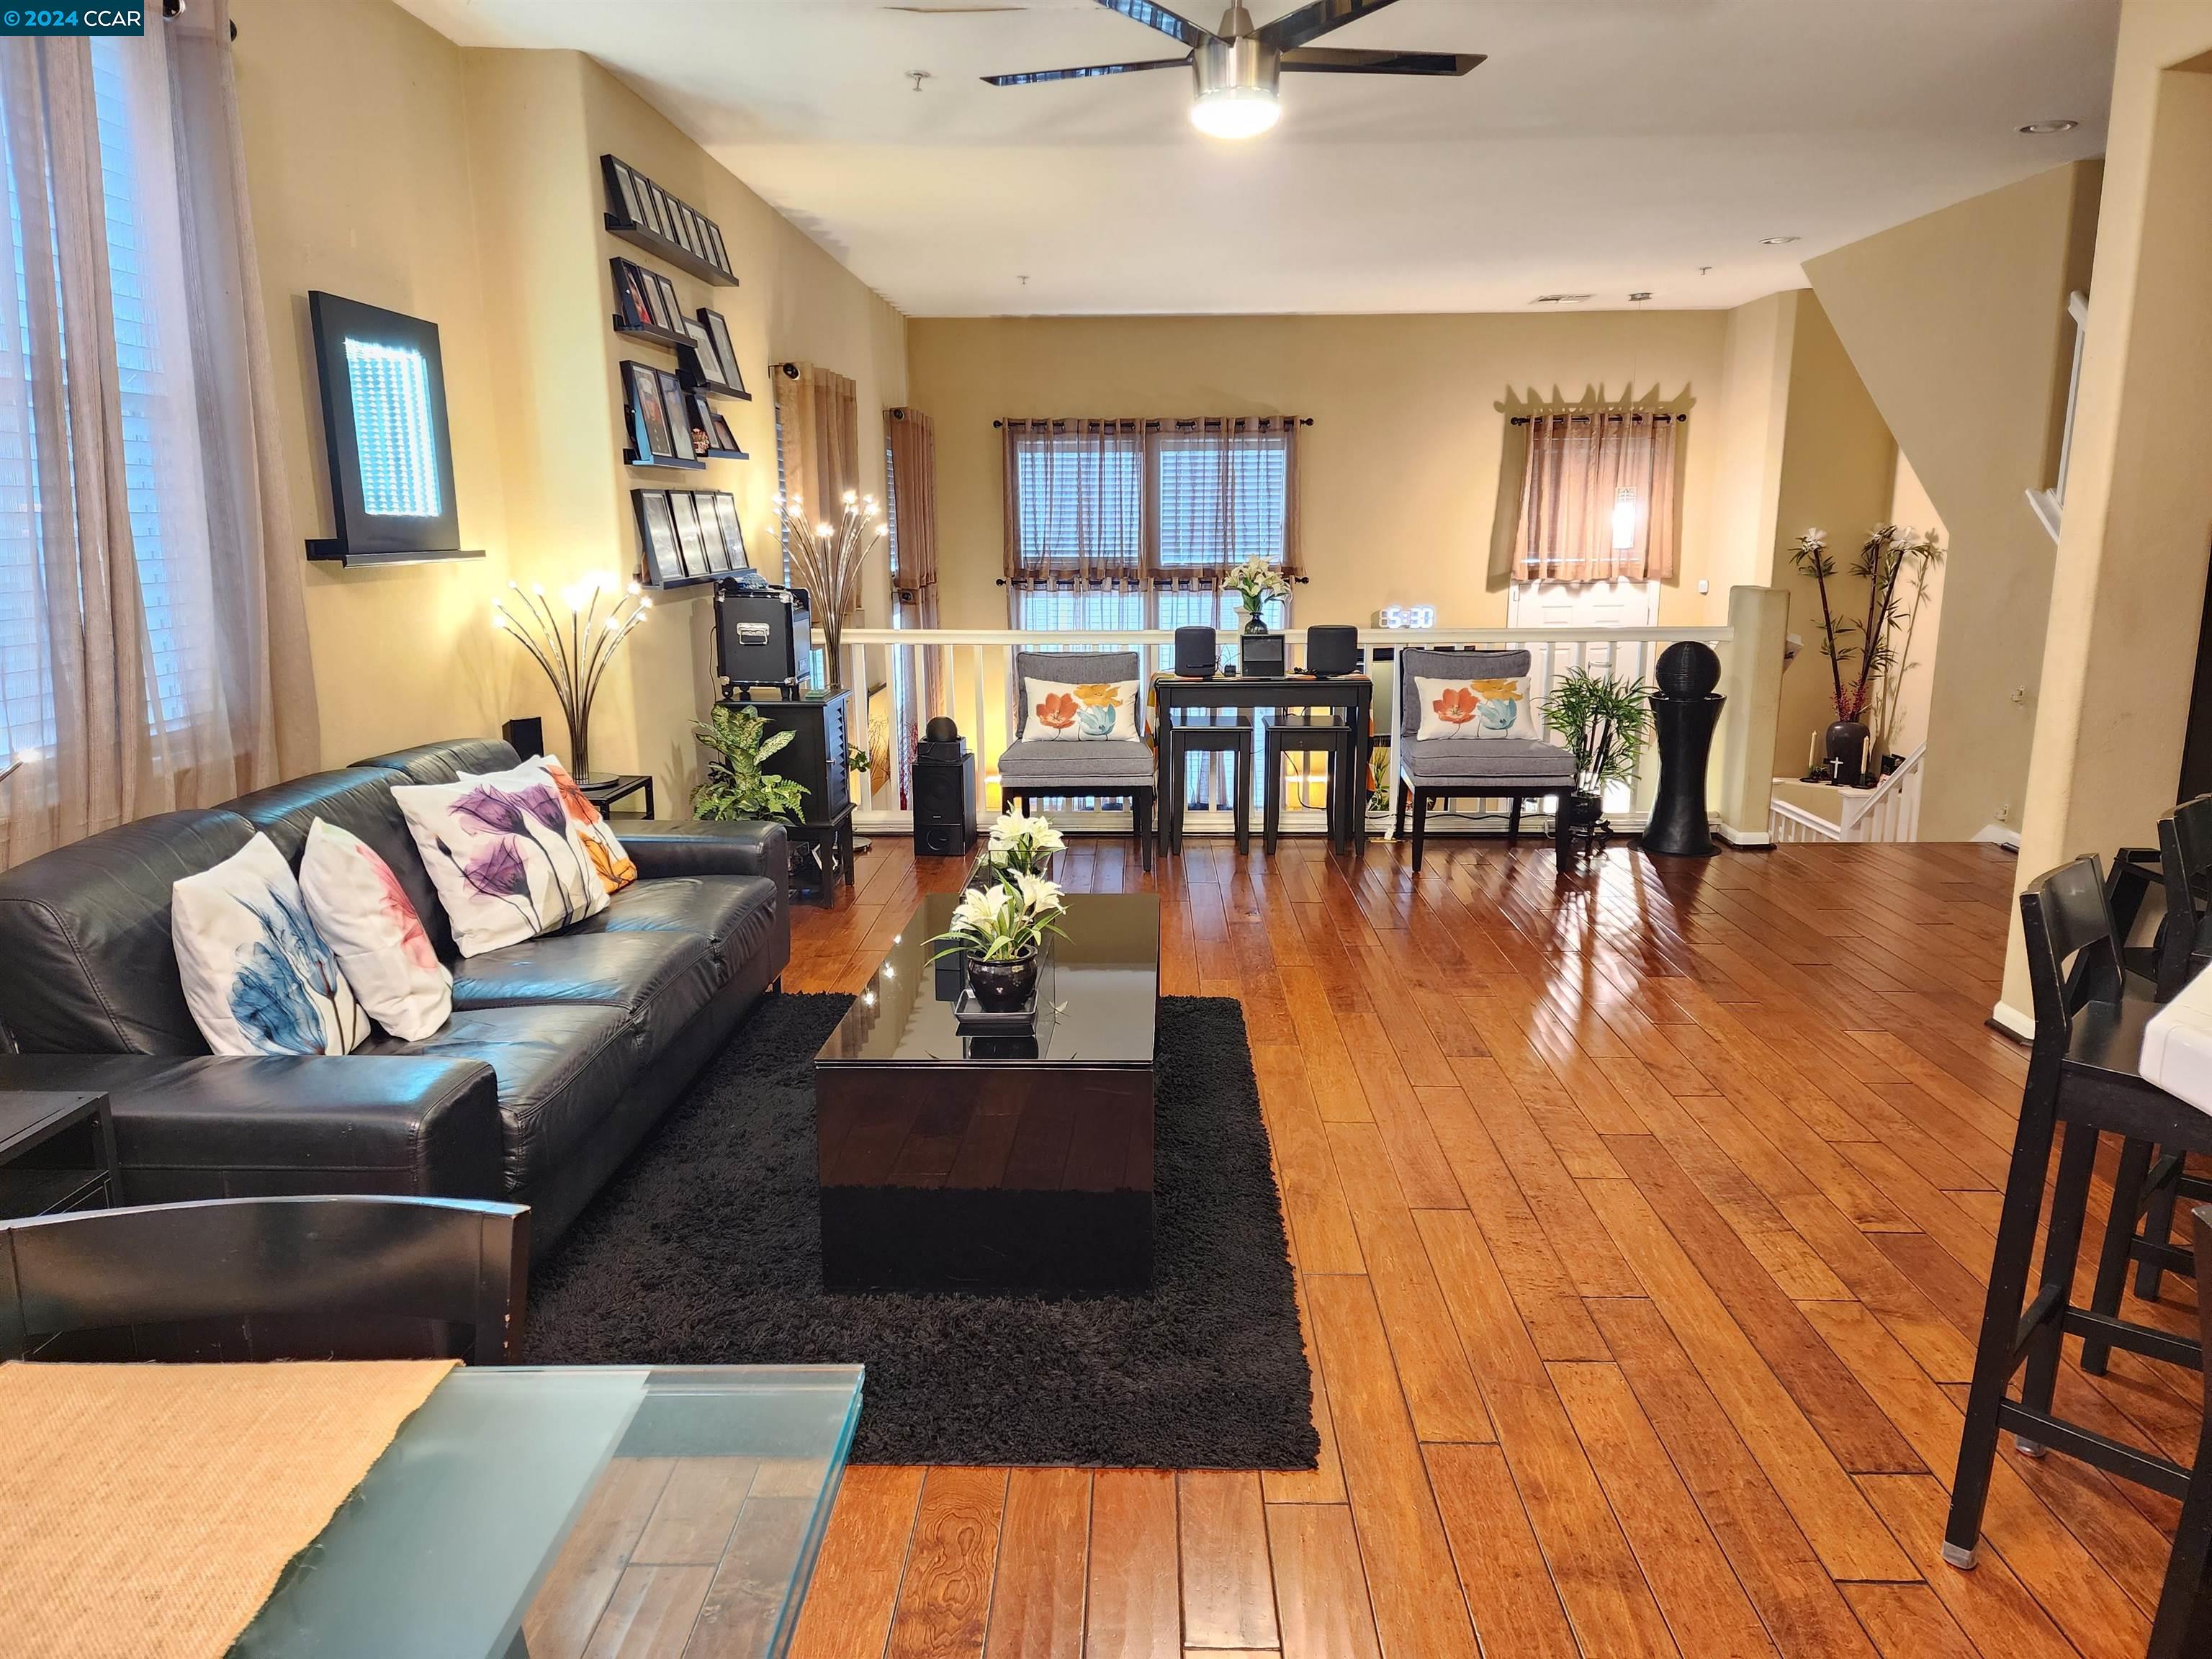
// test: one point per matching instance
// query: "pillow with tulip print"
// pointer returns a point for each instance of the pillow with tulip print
(1059, 712)
(258, 976)
(616, 867)
(360, 909)
(506, 860)
(1474, 708)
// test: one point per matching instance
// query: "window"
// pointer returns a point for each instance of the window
(1598, 496)
(1132, 524)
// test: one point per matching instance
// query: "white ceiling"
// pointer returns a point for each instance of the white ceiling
(1608, 146)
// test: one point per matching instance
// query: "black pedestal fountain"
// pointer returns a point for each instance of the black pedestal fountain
(1684, 709)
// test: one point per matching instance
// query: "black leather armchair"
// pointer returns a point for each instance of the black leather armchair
(561, 1053)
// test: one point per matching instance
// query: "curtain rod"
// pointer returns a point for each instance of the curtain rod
(1185, 423)
(1607, 415)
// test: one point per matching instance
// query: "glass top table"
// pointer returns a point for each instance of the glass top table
(544, 1511)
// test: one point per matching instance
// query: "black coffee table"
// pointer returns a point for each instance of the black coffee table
(995, 1163)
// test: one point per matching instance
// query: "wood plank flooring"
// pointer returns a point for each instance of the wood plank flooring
(1641, 1223)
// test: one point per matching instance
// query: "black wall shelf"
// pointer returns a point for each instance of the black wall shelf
(727, 455)
(332, 552)
(714, 388)
(661, 248)
(672, 464)
(659, 337)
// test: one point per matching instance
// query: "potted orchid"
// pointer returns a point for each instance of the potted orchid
(1000, 932)
(1254, 582)
(1019, 845)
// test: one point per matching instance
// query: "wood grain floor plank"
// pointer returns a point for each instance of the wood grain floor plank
(1135, 1598)
(1044, 1546)
(1228, 1586)
(944, 1599)
(1320, 1588)
(1501, 1566)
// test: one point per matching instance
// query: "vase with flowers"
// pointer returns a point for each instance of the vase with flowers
(826, 556)
(1865, 667)
(1254, 582)
(573, 650)
(999, 931)
(1019, 845)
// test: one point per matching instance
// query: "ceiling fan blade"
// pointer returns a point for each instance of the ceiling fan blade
(1343, 60)
(1160, 18)
(1309, 22)
(1089, 70)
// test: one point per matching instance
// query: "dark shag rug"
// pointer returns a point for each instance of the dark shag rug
(704, 1249)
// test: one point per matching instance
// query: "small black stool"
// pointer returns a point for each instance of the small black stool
(1308, 733)
(1204, 738)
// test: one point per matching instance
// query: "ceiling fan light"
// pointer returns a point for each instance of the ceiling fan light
(1234, 112)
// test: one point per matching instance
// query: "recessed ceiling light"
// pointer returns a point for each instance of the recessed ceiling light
(2037, 129)
(1561, 298)
(1778, 241)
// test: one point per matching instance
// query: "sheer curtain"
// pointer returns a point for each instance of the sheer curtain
(153, 636)
(818, 431)
(1597, 500)
(910, 508)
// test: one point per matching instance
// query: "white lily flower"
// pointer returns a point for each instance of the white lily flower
(1039, 895)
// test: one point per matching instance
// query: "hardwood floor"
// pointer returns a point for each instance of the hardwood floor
(1640, 1223)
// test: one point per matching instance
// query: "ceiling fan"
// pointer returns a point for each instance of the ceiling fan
(1237, 66)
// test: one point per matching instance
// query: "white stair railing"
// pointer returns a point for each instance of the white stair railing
(1889, 811)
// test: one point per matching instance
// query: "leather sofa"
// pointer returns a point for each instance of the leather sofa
(561, 1053)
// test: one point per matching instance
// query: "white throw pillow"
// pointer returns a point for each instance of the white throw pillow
(1093, 711)
(616, 867)
(506, 861)
(257, 977)
(1474, 708)
(364, 914)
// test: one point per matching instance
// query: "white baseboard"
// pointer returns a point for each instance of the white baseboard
(1752, 840)
(1999, 834)
(2009, 1020)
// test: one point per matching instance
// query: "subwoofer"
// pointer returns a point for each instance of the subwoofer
(1196, 656)
(944, 793)
(525, 737)
(1332, 649)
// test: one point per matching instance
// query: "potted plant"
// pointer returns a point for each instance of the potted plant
(999, 931)
(1605, 723)
(1019, 845)
(1891, 555)
(1254, 582)
(735, 787)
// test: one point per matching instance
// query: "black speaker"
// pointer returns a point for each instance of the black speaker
(525, 737)
(1264, 656)
(944, 793)
(763, 638)
(1196, 656)
(1332, 649)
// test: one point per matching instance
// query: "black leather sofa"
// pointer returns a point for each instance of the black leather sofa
(561, 1052)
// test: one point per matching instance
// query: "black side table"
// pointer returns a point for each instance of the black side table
(603, 792)
(827, 862)
(56, 1152)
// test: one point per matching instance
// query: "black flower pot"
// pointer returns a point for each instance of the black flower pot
(1004, 988)
(1579, 827)
(1843, 745)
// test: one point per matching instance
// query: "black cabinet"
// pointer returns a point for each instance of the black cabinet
(817, 756)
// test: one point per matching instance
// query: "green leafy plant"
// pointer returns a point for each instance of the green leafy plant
(735, 787)
(1007, 921)
(1606, 723)
(1895, 563)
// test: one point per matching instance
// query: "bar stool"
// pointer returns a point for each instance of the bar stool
(1205, 737)
(2083, 1070)
(1307, 733)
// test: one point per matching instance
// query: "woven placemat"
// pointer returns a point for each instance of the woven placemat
(146, 1510)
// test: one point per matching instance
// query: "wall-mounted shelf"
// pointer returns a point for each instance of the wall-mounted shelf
(659, 337)
(727, 455)
(332, 552)
(680, 582)
(661, 248)
(715, 389)
(672, 464)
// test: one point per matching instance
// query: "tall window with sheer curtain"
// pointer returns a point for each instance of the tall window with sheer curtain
(153, 650)
(1133, 523)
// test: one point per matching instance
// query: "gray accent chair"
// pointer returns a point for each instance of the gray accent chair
(1518, 768)
(1116, 768)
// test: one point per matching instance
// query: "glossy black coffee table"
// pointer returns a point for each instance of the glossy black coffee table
(995, 1163)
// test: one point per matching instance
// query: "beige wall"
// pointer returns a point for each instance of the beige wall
(357, 168)
(1400, 470)
(2128, 590)
(1837, 472)
(1912, 506)
(1957, 323)
(388, 165)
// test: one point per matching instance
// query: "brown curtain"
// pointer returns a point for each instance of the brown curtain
(154, 633)
(1597, 498)
(817, 421)
(1162, 502)
(910, 477)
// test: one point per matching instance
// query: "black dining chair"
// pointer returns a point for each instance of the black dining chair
(355, 1277)
(1309, 733)
(2182, 1613)
(2149, 1181)
(2082, 1072)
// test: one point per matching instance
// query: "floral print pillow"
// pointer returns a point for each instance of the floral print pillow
(1059, 712)
(359, 908)
(258, 976)
(1474, 708)
(507, 862)
(616, 867)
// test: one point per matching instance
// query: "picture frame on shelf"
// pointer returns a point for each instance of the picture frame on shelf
(703, 425)
(634, 294)
(721, 254)
(723, 437)
(733, 531)
(667, 308)
(718, 330)
(656, 535)
(656, 210)
(677, 415)
(690, 540)
(626, 187)
(650, 436)
(707, 361)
